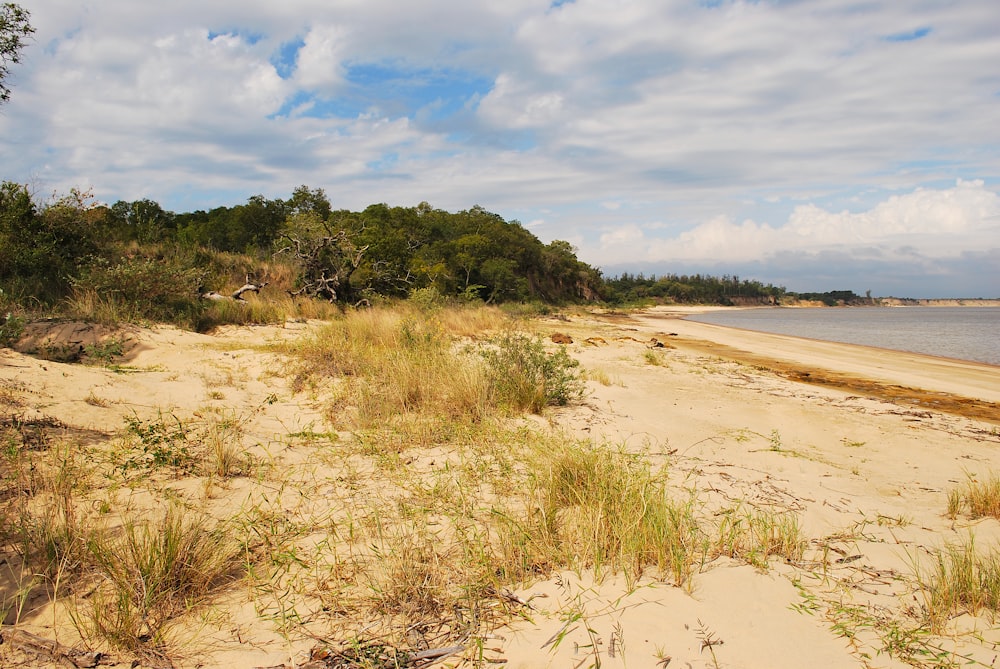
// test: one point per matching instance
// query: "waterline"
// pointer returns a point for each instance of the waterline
(965, 333)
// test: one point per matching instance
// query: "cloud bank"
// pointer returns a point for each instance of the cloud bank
(818, 142)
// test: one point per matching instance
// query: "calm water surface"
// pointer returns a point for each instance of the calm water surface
(967, 333)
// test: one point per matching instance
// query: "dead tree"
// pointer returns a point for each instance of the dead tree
(326, 262)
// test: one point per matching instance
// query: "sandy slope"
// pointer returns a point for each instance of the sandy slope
(868, 478)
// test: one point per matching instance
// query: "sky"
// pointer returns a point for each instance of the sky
(813, 144)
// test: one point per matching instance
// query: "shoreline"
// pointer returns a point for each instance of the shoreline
(973, 388)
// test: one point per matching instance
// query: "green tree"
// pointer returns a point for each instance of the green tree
(305, 200)
(43, 250)
(143, 221)
(14, 33)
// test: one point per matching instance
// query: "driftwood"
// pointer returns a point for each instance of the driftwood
(323, 658)
(36, 645)
(248, 287)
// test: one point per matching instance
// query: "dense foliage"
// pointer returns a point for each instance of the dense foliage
(137, 252)
(694, 289)
(15, 29)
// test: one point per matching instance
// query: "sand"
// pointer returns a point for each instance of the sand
(862, 444)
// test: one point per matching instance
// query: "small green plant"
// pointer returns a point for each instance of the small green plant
(775, 440)
(654, 358)
(708, 640)
(155, 444)
(11, 329)
(106, 351)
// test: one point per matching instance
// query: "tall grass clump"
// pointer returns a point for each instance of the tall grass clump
(42, 521)
(249, 311)
(603, 508)
(980, 498)
(393, 364)
(407, 361)
(754, 535)
(40, 514)
(961, 580)
(150, 573)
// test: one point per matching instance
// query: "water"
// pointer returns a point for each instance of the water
(966, 333)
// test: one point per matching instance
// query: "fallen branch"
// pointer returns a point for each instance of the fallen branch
(248, 287)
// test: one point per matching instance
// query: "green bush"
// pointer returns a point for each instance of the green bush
(138, 288)
(11, 328)
(526, 376)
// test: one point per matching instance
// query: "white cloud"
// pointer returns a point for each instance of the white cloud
(319, 62)
(708, 120)
(929, 223)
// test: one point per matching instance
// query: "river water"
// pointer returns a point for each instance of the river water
(966, 333)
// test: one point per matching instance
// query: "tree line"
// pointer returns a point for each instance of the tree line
(693, 289)
(47, 250)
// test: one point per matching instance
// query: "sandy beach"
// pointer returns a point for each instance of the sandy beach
(860, 445)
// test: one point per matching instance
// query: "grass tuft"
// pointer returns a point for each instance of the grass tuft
(604, 508)
(962, 580)
(980, 498)
(151, 573)
(754, 535)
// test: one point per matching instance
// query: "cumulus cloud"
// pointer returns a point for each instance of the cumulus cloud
(319, 62)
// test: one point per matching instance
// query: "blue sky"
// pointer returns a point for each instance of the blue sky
(820, 145)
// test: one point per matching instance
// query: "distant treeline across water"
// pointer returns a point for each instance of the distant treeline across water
(966, 333)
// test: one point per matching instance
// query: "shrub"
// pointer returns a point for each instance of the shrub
(527, 377)
(11, 328)
(139, 289)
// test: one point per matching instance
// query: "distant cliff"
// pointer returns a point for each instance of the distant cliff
(909, 302)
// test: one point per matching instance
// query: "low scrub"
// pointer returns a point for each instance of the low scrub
(404, 362)
(137, 289)
(526, 377)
